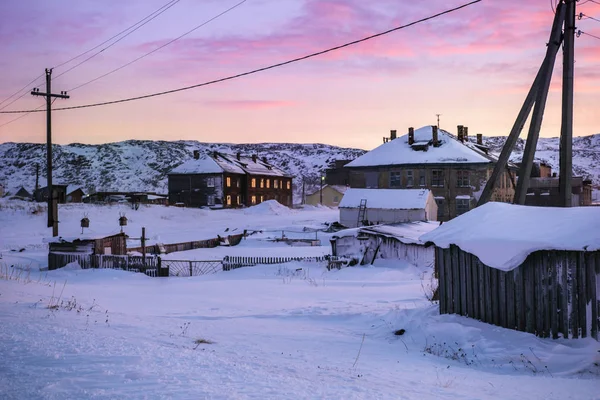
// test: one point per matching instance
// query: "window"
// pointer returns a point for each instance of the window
(336, 199)
(462, 178)
(371, 180)
(275, 184)
(395, 179)
(441, 203)
(210, 200)
(253, 182)
(409, 179)
(289, 185)
(237, 182)
(262, 183)
(268, 183)
(262, 198)
(239, 199)
(228, 199)
(437, 178)
(210, 181)
(228, 180)
(462, 205)
(422, 178)
(253, 200)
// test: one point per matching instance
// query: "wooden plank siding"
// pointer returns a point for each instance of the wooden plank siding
(551, 294)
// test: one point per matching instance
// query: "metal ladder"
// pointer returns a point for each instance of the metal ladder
(362, 210)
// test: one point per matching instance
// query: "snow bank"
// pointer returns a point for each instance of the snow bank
(503, 235)
(269, 207)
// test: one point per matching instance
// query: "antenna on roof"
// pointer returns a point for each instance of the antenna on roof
(438, 120)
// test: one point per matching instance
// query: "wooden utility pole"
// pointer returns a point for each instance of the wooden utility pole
(37, 176)
(537, 95)
(566, 130)
(52, 206)
(540, 105)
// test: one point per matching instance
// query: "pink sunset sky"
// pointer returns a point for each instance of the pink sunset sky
(474, 67)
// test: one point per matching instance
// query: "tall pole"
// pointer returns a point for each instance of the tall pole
(52, 207)
(540, 105)
(566, 130)
(321, 190)
(51, 216)
(438, 120)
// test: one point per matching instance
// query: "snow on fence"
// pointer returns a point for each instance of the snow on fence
(233, 262)
(231, 240)
(149, 266)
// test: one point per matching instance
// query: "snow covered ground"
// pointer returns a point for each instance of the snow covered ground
(294, 331)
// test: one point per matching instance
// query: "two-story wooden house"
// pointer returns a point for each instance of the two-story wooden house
(453, 168)
(224, 180)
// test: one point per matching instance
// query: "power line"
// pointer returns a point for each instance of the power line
(259, 69)
(17, 92)
(27, 87)
(23, 115)
(113, 37)
(590, 1)
(581, 15)
(172, 3)
(158, 48)
(578, 34)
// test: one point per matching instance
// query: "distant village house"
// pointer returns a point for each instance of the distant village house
(328, 195)
(453, 168)
(224, 180)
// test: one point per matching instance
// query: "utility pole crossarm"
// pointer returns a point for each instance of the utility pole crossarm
(62, 95)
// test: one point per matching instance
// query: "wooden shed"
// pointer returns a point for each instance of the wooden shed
(533, 269)
(395, 241)
(62, 250)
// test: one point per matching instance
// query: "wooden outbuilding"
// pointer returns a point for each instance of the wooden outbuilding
(533, 269)
(396, 242)
(62, 248)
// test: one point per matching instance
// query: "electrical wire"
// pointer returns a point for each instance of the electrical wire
(17, 92)
(27, 87)
(115, 36)
(172, 3)
(23, 115)
(590, 1)
(158, 48)
(448, 11)
(588, 34)
(581, 15)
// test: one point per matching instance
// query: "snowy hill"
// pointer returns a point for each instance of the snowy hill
(142, 165)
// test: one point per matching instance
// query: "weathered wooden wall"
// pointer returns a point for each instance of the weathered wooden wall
(552, 294)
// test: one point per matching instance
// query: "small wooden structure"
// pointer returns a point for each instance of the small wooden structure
(396, 241)
(108, 245)
(532, 269)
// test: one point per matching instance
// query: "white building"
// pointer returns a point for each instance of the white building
(387, 206)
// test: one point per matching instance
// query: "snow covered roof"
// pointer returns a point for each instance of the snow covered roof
(406, 232)
(503, 235)
(398, 151)
(216, 163)
(392, 199)
(72, 188)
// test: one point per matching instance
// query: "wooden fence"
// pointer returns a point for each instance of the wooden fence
(191, 268)
(231, 240)
(233, 262)
(149, 266)
(552, 294)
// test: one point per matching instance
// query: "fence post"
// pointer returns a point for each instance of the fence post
(191, 268)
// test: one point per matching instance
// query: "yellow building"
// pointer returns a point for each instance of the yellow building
(332, 195)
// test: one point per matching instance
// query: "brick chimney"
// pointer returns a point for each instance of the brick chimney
(434, 131)
(460, 130)
(264, 159)
(392, 134)
(411, 136)
(465, 134)
(215, 154)
(238, 155)
(196, 154)
(254, 157)
(480, 138)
